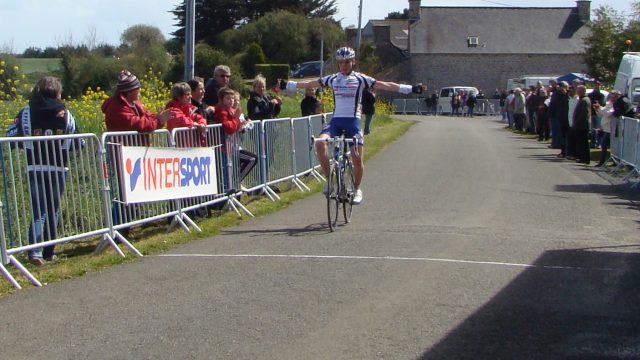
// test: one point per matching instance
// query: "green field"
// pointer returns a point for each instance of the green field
(36, 65)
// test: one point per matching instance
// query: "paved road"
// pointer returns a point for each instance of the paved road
(472, 243)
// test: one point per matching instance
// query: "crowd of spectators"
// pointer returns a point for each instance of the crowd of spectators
(574, 118)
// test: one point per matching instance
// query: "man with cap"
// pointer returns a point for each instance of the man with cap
(124, 111)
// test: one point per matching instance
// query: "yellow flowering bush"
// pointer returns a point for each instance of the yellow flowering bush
(86, 109)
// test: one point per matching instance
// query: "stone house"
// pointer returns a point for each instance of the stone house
(482, 46)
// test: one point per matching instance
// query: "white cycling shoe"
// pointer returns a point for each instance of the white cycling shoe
(357, 198)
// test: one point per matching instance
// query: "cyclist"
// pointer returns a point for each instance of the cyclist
(347, 86)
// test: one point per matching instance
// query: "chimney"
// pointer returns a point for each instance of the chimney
(414, 11)
(584, 10)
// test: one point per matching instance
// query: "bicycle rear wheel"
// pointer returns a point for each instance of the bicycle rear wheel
(333, 201)
(348, 191)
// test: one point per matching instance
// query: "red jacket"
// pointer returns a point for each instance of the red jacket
(121, 116)
(225, 116)
(184, 115)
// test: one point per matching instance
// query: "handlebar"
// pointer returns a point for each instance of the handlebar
(334, 139)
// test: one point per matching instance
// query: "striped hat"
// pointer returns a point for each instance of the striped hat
(127, 81)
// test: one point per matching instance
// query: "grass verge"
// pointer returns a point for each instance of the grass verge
(77, 259)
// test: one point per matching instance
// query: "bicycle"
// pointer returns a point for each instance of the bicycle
(340, 188)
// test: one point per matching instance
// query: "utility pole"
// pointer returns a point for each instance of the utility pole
(359, 38)
(190, 39)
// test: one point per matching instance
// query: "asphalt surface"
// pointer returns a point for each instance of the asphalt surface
(471, 243)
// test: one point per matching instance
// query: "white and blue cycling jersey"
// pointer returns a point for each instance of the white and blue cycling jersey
(347, 92)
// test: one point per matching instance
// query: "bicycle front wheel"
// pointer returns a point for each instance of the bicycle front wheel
(333, 199)
(348, 191)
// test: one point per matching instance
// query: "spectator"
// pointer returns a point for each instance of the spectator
(556, 132)
(596, 97)
(434, 103)
(310, 105)
(531, 106)
(581, 126)
(503, 105)
(480, 95)
(47, 161)
(519, 115)
(606, 115)
(621, 105)
(124, 112)
(471, 103)
(221, 78)
(542, 115)
(463, 102)
(228, 114)
(561, 109)
(368, 107)
(509, 107)
(455, 104)
(260, 105)
(185, 116)
(197, 96)
(246, 159)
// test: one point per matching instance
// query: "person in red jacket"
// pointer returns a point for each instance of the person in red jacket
(124, 111)
(228, 114)
(185, 116)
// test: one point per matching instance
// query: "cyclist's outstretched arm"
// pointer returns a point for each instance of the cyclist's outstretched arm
(405, 89)
(303, 84)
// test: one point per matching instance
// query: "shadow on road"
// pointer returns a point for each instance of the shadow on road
(573, 304)
(622, 191)
(307, 230)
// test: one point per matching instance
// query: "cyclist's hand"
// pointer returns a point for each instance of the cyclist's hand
(418, 88)
(282, 84)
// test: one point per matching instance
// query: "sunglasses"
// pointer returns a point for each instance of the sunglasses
(225, 76)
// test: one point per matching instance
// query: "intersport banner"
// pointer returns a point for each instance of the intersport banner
(153, 174)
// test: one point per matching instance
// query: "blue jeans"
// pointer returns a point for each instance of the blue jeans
(45, 189)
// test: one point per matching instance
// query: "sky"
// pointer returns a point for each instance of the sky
(42, 23)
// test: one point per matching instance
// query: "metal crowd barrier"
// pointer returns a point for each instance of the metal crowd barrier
(625, 145)
(412, 106)
(53, 192)
(88, 196)
(398, 106)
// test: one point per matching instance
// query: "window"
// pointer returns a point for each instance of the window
(472, 41)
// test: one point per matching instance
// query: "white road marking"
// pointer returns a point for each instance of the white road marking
(399, 258)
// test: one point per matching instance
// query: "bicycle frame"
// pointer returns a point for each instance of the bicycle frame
(340, 183)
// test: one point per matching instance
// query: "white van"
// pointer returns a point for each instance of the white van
(444, 101)
(526, 81)
(628, 76)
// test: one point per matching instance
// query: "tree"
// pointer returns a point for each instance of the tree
(285, 37)
(604, 46)
(142, 37)
(398, 15)
(215, 16)
(206, 59)
(142, 49)
(253, 55)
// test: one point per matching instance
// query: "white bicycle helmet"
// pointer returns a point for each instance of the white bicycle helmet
(345, 53)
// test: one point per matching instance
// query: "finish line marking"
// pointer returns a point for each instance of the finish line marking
(400, 258)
